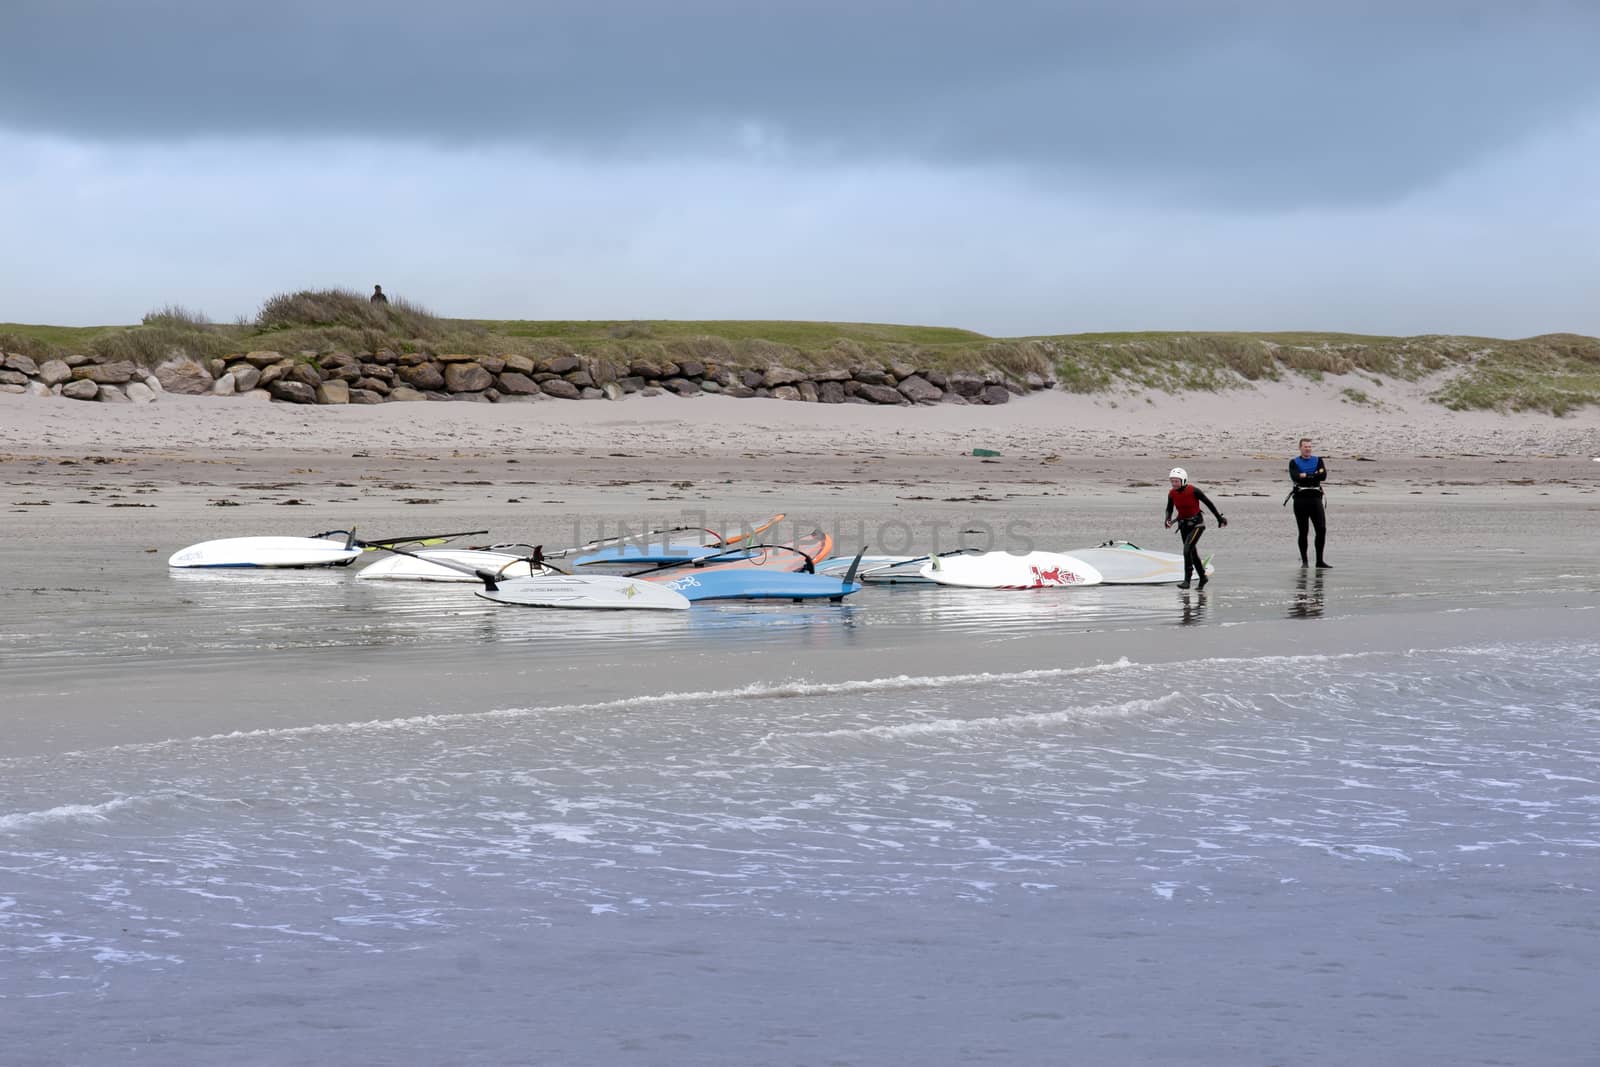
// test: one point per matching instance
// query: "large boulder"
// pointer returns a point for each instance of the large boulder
(919, 390)
(519, 364)
(80, 389)
(466, 378)
(995, 394)
(186, 376)
(20, 363)
(140, 393)
(967, 385)
(224, 386)
(245, 377)
(751, 379)
(112, 394)
(262, 359)
(455, 357)
(54, 372)
(776, 376)
(874, 376)
(13, 377)
(881, 394)
(405, 393)
(785, 392)
(305, 373)
(830, 392)
(515, 383)
(427, 377)
(561, 364)
(335, 361)
(119, 373)
(683, 386)
(333, 392)
(292, 392)
(368, 385)
(560, 388)
(365, 396)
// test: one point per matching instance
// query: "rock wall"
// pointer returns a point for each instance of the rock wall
(389, 377)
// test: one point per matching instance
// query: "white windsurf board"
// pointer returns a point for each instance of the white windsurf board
(1123, 563)
(431, 565)
(267, 552)
(586, 591)
(1004, 570)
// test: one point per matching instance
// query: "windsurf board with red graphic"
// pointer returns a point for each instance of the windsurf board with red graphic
(1004, 570)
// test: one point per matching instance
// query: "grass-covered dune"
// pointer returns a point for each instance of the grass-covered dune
(1555, 373)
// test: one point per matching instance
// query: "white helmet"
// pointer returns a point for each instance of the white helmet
(1180, 474)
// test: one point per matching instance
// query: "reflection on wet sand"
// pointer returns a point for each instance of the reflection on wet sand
(1307, 601)
(1194, 607)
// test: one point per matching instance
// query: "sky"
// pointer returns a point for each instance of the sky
(1015, 167)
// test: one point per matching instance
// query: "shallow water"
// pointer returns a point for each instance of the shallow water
(1301, 818)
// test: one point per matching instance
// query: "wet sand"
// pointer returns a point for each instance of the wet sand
(93, 516)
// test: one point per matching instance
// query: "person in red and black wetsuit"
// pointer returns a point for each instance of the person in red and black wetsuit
(1186, 499)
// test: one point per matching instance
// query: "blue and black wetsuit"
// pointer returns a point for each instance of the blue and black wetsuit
(1191, 525)
(1307, 476)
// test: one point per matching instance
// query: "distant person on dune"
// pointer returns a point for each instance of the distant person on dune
(1186, 499)
(1306, 474)
(377, 295)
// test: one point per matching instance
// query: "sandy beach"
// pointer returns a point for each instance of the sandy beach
(1301, 816)
(528, 468)
(109, 491)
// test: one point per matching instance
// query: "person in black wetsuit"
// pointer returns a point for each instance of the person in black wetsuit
(1306, 474)
(1186, 499)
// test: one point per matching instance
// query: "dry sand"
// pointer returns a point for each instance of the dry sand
(553, 470)
(1269, 418)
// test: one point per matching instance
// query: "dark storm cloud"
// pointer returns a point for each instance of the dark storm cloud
(1276, 104)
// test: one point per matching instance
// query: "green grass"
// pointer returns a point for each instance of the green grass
(1556, 373)
(62, 336)
(777, 331)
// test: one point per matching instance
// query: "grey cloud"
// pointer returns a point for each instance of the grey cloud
(1273, 105)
